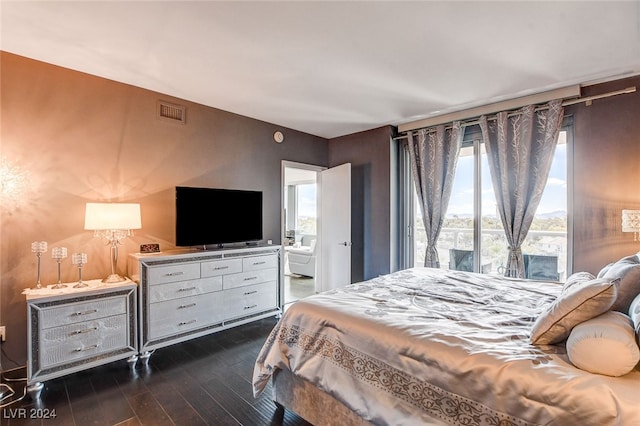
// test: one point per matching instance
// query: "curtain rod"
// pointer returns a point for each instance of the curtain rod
(506, 105)
(587, 100)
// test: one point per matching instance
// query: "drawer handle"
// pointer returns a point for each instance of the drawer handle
(91, 311)
(246, 293)
(187, 288)
(86, 330)
(250, 278)
(88, 348)
(219, 268)
(190, 305)
(186, 322)
(250, 307)
(173, 274)
(259, 263)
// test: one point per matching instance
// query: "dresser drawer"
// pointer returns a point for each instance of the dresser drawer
(75, 342)
(173, 273)
(162, 292)
(179, 315)
(246, 300)
(220, 267)
(259, 262)
(249, 278)
(82, 311)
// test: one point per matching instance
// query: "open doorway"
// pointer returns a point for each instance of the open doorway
(300, 227)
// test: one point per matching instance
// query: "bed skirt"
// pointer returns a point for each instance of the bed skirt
(311, 403)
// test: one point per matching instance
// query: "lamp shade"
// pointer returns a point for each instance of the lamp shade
(630, 220)
(105, 216)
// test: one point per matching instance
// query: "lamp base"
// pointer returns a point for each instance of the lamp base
(114, 278)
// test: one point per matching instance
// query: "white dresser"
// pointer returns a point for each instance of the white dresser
(188, 294)
(72, 329)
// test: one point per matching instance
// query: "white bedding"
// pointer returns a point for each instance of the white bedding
(427, 346)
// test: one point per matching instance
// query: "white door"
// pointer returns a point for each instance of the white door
(335, 227)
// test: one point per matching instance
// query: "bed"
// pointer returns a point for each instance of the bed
(429, 346)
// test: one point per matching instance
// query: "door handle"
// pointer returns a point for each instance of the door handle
(345, 243)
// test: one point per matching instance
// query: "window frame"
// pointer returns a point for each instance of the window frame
(472, 137)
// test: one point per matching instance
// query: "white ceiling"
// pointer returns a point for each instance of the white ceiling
(331, 68)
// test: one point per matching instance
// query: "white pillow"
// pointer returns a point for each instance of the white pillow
(604, 270)
(634, 314)
(604, 345)
(577, 278)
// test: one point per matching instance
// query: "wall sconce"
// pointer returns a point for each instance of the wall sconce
(113, 222)
(631, 222)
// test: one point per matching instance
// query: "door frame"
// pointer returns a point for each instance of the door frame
(310, 167)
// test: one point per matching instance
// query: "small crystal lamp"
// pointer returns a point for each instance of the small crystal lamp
(631, 222)
(79, 259)
(113, 222)
(39, 247)
(59, 253)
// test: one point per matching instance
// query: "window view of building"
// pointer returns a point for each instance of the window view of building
(473, 197)
(300, 201)
(306, 219)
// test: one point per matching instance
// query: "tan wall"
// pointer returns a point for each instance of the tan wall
(75, 138)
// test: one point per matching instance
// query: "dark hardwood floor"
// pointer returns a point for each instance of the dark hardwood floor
(205, 381)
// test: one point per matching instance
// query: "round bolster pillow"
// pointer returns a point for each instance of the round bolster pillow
(605, 345)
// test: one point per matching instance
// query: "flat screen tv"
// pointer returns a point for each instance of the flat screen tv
(213, 216)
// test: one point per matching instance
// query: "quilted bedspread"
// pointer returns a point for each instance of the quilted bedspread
(429, 346)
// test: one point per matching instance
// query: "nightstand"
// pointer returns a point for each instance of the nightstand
(73, 329)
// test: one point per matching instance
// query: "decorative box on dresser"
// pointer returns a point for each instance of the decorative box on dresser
(186, 294)
(72, 329)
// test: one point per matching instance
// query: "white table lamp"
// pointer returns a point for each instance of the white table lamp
(113, 222)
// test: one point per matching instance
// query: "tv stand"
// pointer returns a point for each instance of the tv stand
(182, 296)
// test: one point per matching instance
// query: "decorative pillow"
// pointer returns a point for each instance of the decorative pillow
(627, 270)
(605, 345)
(577, 279)
(579, 303)
(604, 270)
(634, 313)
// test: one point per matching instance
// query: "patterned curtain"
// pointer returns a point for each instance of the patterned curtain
(434, 154)
(520, 149)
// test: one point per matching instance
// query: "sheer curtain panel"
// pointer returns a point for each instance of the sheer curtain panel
(434, 154)
(520, 149)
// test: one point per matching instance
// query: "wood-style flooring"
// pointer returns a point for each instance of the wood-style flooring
(205, 381)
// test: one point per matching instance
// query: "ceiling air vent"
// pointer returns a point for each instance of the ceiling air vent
(171, 112)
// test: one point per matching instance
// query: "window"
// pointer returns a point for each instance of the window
(472, 223)
(300, 202)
